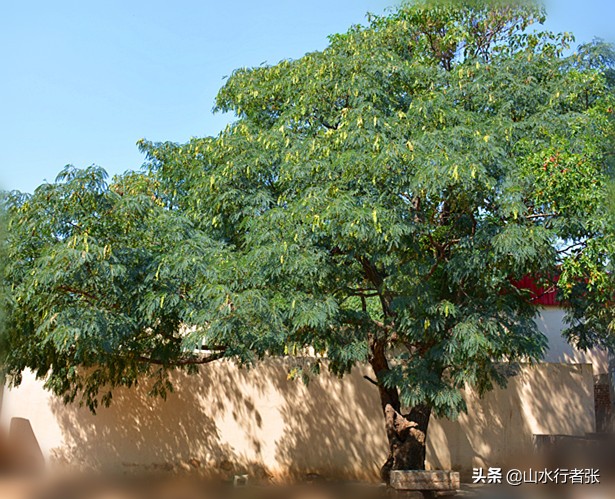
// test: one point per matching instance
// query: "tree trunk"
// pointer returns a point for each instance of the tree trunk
(406, 433)
(407, 436)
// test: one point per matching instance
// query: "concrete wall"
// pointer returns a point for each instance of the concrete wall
(231, 420)
(551, 322)
(224, 419)
(551, 399)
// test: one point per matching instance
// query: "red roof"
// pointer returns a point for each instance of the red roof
(539, 295)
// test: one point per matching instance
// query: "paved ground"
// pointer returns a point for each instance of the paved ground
(170, 488)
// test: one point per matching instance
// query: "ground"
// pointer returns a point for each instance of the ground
(174, 488)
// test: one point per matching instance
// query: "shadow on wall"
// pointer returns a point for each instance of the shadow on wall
(551, 321)
(553, 399)
(227, 420)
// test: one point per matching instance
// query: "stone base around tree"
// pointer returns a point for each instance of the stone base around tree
(425, 480)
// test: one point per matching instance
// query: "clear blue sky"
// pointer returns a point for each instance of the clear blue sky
(83, 81)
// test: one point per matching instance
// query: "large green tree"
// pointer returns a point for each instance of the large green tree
(375, 202)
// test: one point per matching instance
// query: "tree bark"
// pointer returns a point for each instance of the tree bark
(406, 433)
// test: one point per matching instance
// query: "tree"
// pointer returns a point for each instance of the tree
(375, 202)
(3, 290)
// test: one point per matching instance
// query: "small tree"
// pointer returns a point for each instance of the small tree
(375, 202)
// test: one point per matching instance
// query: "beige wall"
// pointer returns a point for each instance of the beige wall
(234, 420)
(553, 399)
(227, 418)
(551, 322)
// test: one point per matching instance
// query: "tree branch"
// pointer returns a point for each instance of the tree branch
(192, 361)
(573, 246)
(84, 294)
(541, 215)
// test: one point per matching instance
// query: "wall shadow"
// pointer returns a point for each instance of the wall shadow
(226, 420)
(141, 432)
(498, 431)
(335, 427)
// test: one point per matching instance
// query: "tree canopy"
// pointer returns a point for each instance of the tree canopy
(375, 202)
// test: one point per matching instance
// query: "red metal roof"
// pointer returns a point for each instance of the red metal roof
(539, 295)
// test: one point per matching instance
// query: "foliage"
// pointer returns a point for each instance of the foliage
(97, 272)
(3, 288)
(385, 193)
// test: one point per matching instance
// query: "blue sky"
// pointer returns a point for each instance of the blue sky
(83, 81)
